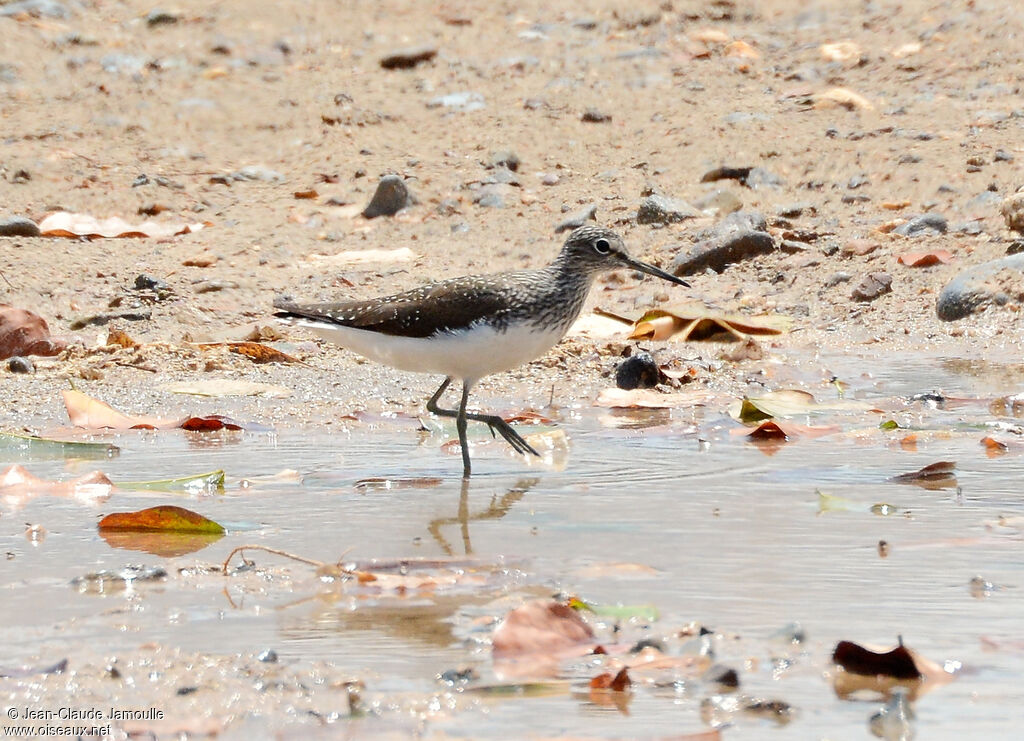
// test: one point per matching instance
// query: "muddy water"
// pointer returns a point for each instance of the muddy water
(701, 524)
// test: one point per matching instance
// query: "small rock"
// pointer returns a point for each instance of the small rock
(1015, 247)
(857, 181)
(908, 159)
(793, 210)
(35, 8)
(255, 172)
(19, 226)
(638, 371)
(502, 176)
(447, 207)
(19, 364)
(145, 282)
(859, 247)
(839, 277)
(408, 58)
(211, 286)
(492, 196)
(593, 115)
(759, 178)
(1013, 212)
(726, 172)
(160, 18)
(740, 221)
(98, 320)
(996, 282)
(549, 178)
(725, 677)
(21, 176)
(872, 286)
(508, 160)
(391, 196)
(1001, 155)
(659, 209)
(722, 251)
(268, 656)
(922, 225)
(719, 201)
(970, 228)
(578, 219)
(464, 102)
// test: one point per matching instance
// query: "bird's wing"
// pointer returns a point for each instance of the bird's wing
(421, 312)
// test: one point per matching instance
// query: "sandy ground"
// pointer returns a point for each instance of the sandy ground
(111, 109)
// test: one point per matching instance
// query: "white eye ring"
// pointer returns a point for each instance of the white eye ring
(602, 247)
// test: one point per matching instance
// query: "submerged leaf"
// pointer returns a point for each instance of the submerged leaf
(163, 518)
(17, 486)
(211, 481)
(941, 474)
(30, 447)
(542, 629)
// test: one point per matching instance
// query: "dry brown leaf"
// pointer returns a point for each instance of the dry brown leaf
(541, 630)
(939, 475)
(23, 332)
(867, 669)
(775, 429)
(66, 224)
(120, 338)
(256, 352)
(695, 321)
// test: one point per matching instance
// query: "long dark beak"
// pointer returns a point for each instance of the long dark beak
(651, 270)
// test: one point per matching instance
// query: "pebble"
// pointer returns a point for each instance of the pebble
(159, 17)
(463, 102)
(659, 209)
(1013, 212)
(447, 207)
(793, 210)
(859, 247)
(35, 8)
(502, 176)
(839, 277)
(18, 226)
(492, 196)
(507, 159)
(922, 225)
(98, 320)
(1001, 155)
(391, 196)
(211, 286)
(719, 201)
(726, 678)
(759, 178)
(145, 282)
(720, 252)
(408, 58)
(593, 115)
(872, 286)
(726, 172)
(638, 371)
(268, 656)
(549, 178)
(990, 283)
(18, 364)
(578, 219)
(255, 172)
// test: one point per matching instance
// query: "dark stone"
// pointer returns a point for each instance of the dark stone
(98, 320)
(578, 219)
(637, 372)
(658, 209)
(269, 656)
(1015, 247)
(160, 18)
(592, 115)
(922, 225)
(793, 210)
(408, 58)
(739, 236)
(996, 282)
(391, 196)
(725, 677)
(872, 286)
(506, 159)
(647, 643)
(149, 283)
(19, 226)
(726, 173)
(18, 364)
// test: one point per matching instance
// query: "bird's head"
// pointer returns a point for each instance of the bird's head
(595, 250)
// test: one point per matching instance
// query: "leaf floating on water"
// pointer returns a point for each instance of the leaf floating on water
(65, 224)
(939, 475)
(890, 424)
(171, 544)
(786, 403)
(617, 398)
(619, 612)
(211, 481)
(382, 483)
(538, 632)
(17, 486)
(832, 503)
(31, 448)
(166, 518)
(211, 423)
(772, 429)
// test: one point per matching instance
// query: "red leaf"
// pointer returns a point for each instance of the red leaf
(164, 518)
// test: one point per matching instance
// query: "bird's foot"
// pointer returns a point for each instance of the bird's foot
(513, 438)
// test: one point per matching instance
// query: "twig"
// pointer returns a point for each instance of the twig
(286, 554)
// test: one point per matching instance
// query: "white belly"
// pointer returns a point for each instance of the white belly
(466, 355)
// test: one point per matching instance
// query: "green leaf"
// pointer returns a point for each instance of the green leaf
(167, 518)
(211, 481)
(14, 447)
(891, 424)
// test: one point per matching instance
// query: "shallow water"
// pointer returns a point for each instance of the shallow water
(731, 530)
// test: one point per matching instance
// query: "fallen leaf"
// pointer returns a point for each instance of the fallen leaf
(85, 411)
(17, 486)
(379, 483)
(23, 332)
(257, 352)
(617, 398)
(306, 194)
(539, 631)
(695, 321)
(163, 518)
(787, 403)
(363, 257)
(938, 475)
(32, 448)
(120, 339)
(773, 429)
(65, 224)
(993, 447)
(620, 682)
(862, 669)
(925, 259)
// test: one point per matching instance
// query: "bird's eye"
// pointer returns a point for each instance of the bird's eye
(602, 247)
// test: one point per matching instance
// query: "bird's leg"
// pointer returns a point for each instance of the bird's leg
(493, 421)
(460, 425)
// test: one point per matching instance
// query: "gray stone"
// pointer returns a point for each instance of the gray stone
(98, 320)
(256, 172)
(593, 115)
(719, 201)
(1013, 212)
(922, 225)
(721, 251)
(658, 209)
(35, 8)
(463, 102)
(18, 226)
(507, 159)
(578, 219)
(872, 286)
(493, 196)
(991, 283)
(391, 196)
(739, 221)
(839, 277)
(793, 210)
(18, 364)
(759, 178)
